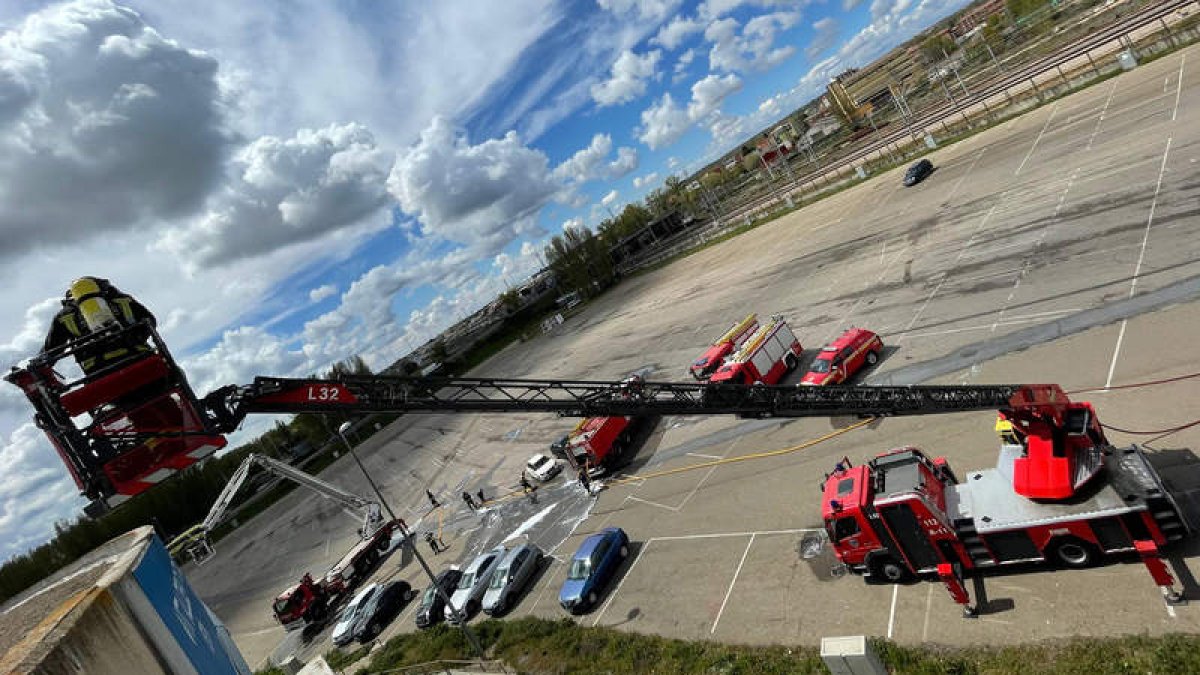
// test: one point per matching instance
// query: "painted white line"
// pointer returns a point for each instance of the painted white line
(1112, 367)
(628, 573)
(258, 632)
(1053, 109)
(966, 173)
(729, 591)
(650, 503)
(1166, 83)
(1171, 612)
(892, 613)
(928, 607)
(954, 264)
(697, 454)
(1178, 88)
(1010, 321)
(1100, 120)
(722, 535)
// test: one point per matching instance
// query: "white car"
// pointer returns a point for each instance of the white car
(343, 631)
(542, 467)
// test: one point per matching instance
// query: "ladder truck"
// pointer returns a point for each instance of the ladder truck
(772, 352)
(714, 357)
(309, 602)
(1057, 457)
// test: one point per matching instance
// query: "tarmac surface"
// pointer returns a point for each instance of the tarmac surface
(1061, 246)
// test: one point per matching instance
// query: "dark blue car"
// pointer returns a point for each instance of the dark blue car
(592, 568)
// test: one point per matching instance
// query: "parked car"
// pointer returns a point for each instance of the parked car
(473, 584)
(512, 576)
(379, 610)
(432, 605)
(917, 172)
(592, 568)
(343, 630)
(845, 356)
(542, 467)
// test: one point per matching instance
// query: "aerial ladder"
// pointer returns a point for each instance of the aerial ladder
(372, 519)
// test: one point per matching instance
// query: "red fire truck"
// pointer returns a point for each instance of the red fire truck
(1059, 494)
(772, 352)
(599, 442)
(841, 359)
(714, 357)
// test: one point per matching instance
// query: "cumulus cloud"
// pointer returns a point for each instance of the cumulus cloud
(591, 163)
(849, 5)
(463, 192)
(666, 121)
(241, 354)
(681, 65)
(825, 33)
(751, 48)
(648, 10)
(322, 292)
(640, 182)
(104, 125)
(677, 31)
(287, 190)
(628, 78)
(38, 491)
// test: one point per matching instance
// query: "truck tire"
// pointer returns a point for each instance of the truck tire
(789, 361)
(884, 569)
(1072, 552)
(872, 358)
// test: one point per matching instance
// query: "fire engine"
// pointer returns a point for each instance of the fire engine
(1061, 492)
(714, 357)
(598, 443)
(772, 352)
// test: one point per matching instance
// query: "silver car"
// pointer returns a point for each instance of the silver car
(343, 630)
(512, 575)
(473, 583)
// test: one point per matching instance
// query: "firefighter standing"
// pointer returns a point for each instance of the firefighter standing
(93, 304)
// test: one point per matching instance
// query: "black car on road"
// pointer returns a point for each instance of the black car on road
(432, 605)
(917, 172)
(381, 608)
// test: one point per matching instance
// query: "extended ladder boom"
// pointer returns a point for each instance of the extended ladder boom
(228, 406)
(372, 518)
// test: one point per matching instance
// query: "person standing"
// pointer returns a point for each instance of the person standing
(584, 479)
(469, 500)
(480, 497)
(432, 500)
(525, 486)
(433, 543)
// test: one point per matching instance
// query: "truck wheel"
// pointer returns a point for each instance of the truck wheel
(872, 358)
(1072, 552)
(789, 361)
(885, 570)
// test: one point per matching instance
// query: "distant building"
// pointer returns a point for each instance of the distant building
(872, 84)
(975, 16)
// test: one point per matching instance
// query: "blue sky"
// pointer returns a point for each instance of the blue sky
(287, 183)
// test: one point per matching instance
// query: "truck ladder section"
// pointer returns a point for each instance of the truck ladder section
(372, 520)
(228, 406)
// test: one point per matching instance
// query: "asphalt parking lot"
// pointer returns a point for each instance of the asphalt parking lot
(1060, 247)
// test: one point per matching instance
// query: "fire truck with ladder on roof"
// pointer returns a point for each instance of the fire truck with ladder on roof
(770, 353)
(714, 357)
(1060, 493)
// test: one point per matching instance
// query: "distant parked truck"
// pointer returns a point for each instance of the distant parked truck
(772, 352)
(599, 443)
(714, 357)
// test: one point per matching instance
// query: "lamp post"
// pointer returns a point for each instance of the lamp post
(412, 545)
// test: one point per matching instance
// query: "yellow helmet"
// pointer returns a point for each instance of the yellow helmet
(88, 294)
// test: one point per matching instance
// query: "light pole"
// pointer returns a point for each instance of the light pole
(412, 545)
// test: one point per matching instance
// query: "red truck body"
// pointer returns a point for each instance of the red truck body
(597, 441)
(904, 515)
(714, 357)
(309, 602)
(845, 356)
(766, 356)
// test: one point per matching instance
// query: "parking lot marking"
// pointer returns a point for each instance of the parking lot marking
(1053, 109)
(697, 454)
(1100, 120)
(1010, 321)
(621, 583)
(722, 535)
(954, 264)
(1178, 87)
(892, 613)
(928, 607)
(545, 586)
(652, 503)
(729, 591)
(1137, 270)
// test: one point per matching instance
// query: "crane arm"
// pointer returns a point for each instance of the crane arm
(288, 471)
(228, 406)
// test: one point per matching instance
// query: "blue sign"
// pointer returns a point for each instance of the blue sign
(184, 614)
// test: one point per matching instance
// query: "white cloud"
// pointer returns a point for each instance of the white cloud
(753, 47)
(640, 182)
(825, 33)
(627, 79)
(610, 198)
(650, 10)
(37, 491)
(681, 65)
(713, 9)
(677, 31)
(849, 5)
(464, 192)
(322, 292)
(104, 125)
(590, 162)
(285, 191)
(665, 122)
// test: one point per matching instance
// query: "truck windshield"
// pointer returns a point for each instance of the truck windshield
(819, 366)
(286, 605)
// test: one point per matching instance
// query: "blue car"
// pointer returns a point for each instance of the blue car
(592, 568)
